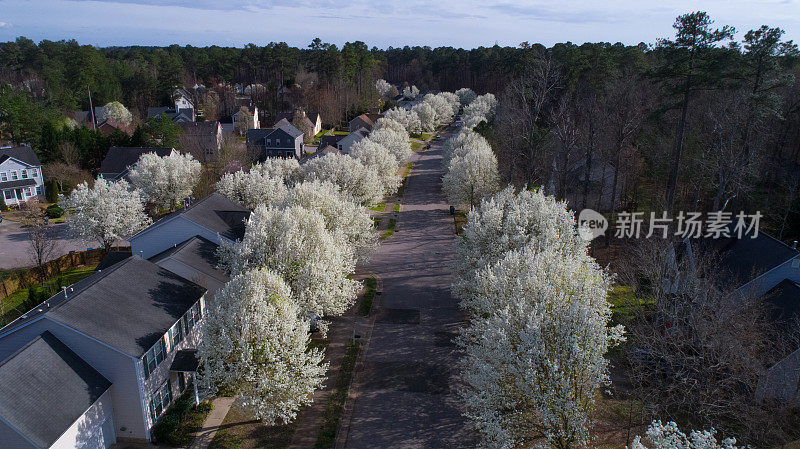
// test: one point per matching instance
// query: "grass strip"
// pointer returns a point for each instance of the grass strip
(370, 287)
(326, 438)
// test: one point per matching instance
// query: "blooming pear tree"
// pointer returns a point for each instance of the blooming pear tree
(105, 212)
(115, 112)
(255, 341)
(252, 189)
(471, 177)
(275, 167)
(352, 176)
(443, 111)
(343, 217)
(410, 92)
(393, 136)
(465, 96)
(505, 222)
(669, 436)
(165, 181)
(383, 87)
(481, 109)
(426, 115)
(534, 363)
(409, 120)
(376, 157)
(295, 243)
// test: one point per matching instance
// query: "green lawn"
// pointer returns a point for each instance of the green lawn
(390, 229)
(14, 304)
(370, 286)
(326, 438)
(415, 146)
(240, 431)
(624, 304)
(341, 133)
(396, 207)
(421, 136)
(380, 207)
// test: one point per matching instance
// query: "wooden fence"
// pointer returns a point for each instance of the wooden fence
(33, 276)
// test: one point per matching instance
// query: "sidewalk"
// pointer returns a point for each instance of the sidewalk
(210, 426)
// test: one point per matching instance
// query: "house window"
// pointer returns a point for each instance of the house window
(175, 334)
(192, 317)
(28, 191)
(160, 400)
(9, 194)
(153, 357)
(3, 176)
(14, 175)
(24, 174)
(39, 190)
(269, 141)
(34, 173)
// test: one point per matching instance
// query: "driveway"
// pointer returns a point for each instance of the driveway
(15, 244)
(406, 394)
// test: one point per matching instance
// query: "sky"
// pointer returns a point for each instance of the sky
(381, 23)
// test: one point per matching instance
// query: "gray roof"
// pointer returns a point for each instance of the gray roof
(290, 130)
(198, 253)
(24, 154)
(741, 260)
(128, 306)
(112, 258)
(45, 387)
(158, 110)
(256, 136)
(215, 212)
(18, 183)
(325, 141)
(281, 122)
(119, 159)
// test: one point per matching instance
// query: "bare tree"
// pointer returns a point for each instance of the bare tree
(42, 242)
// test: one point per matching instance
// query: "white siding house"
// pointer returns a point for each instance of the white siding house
(20, 175)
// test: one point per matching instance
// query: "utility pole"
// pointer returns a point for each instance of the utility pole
(91, 108)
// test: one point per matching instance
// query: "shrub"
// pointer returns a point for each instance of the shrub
(66, 187)
(53, 211)
(51, 191)
(181, 420)
(3, 206)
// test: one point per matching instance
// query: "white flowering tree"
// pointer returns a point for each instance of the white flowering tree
(443, 111)
(393, 136)
(410, 92)
(669, 436)
(115, 112)
(254, 341)
(276, 167)
(384, 88)
(426, 115)
(105, 212)
(295, 243)
(460, 144)
(253, 188)
(471, 177)
(508, 221)
(466, 96)
(343, 217)
(481, 109)
(376, 157)
(352, 176)
(165, 181)
(534, 361)
(409, 120)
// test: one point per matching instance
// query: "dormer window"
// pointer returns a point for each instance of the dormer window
(14, 175)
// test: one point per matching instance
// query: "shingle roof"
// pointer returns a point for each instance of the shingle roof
(45, 387)
(281, 122)
(290, 130)
(24, 154)
(740, 260)
(17, 183)
(119, 159)
(158, 110)
(198, 253)
(256, 136)
(112, 258)
(128, 306)
(325, 141)
(215, 212)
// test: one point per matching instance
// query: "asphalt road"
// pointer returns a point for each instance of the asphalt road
(15, 244)
(407, 391)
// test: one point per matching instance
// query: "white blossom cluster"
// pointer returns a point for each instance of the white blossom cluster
(105, 212)
(165, 181)
(410, 92)
(383, 87)
(538, 332)
(482, 108)
(668, 436)
(115, 112)
(470, 168)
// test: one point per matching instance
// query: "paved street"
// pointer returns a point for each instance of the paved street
(15, 244)
(406, 394)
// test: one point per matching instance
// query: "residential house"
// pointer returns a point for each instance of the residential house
(20, 175)
(285, 141)
(100, 361)
(366, 121)
(760, 267)
(183, 103)
(215, 218)
(347, 141)
(251, 117)
(194, 259)
(322, 151)
(311, 123)
(109, 127)
(177, 115)
(119, 160)
(202, 139)
(333, 140)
